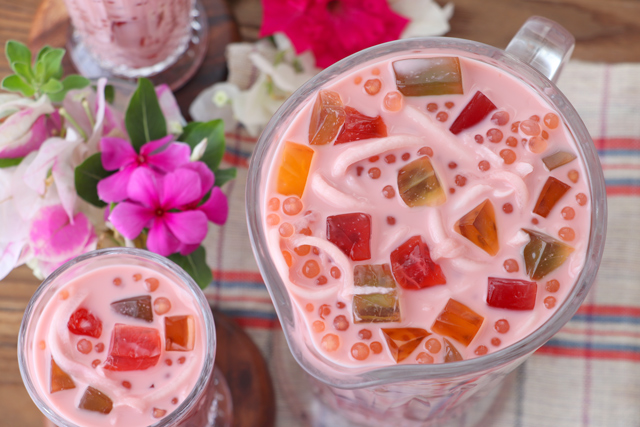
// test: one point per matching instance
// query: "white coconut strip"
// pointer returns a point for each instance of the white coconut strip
(523, 168)
(466, 264)
(333, 196)
(338, 257)
(372, 147)
(367, 290)
(518, 239)
(392, 239)
(462, 204)
(447, 249)
(438, 136)
(513, 180)
(436, 226)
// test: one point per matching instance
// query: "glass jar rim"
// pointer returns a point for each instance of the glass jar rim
(210, 333)
(340, 377)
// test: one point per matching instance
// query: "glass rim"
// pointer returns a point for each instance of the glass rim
(339, 376)
(199, 388)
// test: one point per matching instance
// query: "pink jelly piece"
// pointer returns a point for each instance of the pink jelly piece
(82, 322)
(133, 348)
(476, 110)
(511, 293)
(412, 265)
(351, 233)
(357, 126)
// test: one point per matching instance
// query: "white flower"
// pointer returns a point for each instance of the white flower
(253, 93)
(426, 17)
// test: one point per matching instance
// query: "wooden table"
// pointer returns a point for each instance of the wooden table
(605, 31)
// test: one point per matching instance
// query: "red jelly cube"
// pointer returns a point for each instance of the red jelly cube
(138, 307)
(476, 110)
(357, 126)
(82, 322)
(351, 233)
(133, 348)
(412, 265)
(511, 293)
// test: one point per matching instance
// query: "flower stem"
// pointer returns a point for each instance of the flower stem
(87, 110)
(73, 123)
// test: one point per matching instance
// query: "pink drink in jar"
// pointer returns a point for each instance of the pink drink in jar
(430, 212)
(119, 337)
(133, 37)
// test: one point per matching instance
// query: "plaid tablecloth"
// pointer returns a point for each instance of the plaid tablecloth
(589, 373)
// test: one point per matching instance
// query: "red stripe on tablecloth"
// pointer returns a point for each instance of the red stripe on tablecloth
(256, 323)
(550, 350)
(248, 139)
(237, 276)
(620, 166)
(235, 160)
(617, 143)
(609, 310)
(623, 190)
(265, 300)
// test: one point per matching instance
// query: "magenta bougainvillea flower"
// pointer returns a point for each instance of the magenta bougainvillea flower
(162, 155)
(332, 29)
(156, 202)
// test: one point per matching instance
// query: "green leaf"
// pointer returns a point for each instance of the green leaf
(224, 175)
(195, 264)
(73, 81)
(213, 130)
(53, 63)
(52, 86)
(23, 70)
(87, 176)
(7, 163)
(17, 52)
(42, 52)
(40, 72)
(14, 83)
(109, 94)
(144, 119)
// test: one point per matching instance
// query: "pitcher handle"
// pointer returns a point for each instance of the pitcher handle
(543, 44)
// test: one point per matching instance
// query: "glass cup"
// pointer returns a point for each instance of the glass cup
(161, 39)
(430, 395)
(208, 404)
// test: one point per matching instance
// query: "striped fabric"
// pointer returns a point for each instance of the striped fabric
(589, 373)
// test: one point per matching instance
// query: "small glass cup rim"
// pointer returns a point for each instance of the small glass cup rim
(201, 385)
(520, 349)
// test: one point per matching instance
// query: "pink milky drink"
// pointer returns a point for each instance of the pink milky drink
(119, 337)
(426, 214)
(132, 38)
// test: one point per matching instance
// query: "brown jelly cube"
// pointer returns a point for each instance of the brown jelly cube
(179, 333)
(375, 308)
(60, 380)
(558, 159)
(479, 226)
(428, 76)
(373, 275)
(543, 254)
(138, 307)
(552, 191)
(458, 321)
(95, 400)
(294, 169)
(402, 341)
(451, 354)
(418, 184)
(327, 118)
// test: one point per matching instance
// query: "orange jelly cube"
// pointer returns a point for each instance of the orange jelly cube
(402, 341)
(458, 321)
(95, 400)
(451, 354)
(480, 227)
(60, 380)
(294, 169)
(327, 118)
(179, 333)
(552, 191)
(418, 184)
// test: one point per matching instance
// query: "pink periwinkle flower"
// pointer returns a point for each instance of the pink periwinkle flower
(155, 201)
(25, 131)
(54, 239)
(332, 29)
(162, 155)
